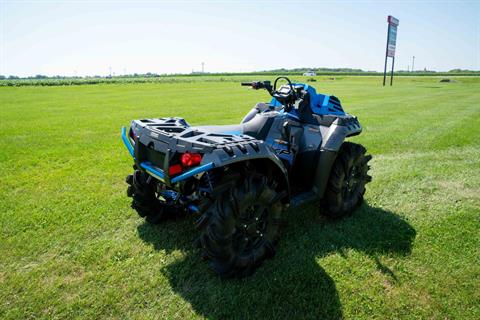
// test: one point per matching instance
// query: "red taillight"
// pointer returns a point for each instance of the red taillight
(174, 170)
(187, 160)
(191, 159)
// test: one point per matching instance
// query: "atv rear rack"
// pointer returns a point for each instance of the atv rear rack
(176, 134)
(159, 173)
(156, 144)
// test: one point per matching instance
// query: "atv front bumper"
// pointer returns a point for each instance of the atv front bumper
(159, 173)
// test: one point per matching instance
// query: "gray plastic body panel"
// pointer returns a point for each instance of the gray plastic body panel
(312, 147)
(173, 135)
(340, 129)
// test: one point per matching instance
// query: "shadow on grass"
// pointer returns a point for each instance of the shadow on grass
(292, 285)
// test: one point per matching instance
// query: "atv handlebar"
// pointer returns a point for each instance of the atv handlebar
(259, 85)
(286, 94)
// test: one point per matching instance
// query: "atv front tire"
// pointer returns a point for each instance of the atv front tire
(242, 224)
(142, 189)
(346, 184)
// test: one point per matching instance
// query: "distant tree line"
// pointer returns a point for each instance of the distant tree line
(296, 71)
(149, 77)
(318, 70)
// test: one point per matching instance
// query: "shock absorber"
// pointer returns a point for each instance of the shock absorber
(207, 182)
(201, 200)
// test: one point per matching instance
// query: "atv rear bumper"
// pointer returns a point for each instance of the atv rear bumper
(160, 173)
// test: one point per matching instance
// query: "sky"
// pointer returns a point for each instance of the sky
(93, 37)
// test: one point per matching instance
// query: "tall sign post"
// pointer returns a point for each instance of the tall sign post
(391, 45)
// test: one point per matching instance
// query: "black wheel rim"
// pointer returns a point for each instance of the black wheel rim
(352, 182)
(251, 228)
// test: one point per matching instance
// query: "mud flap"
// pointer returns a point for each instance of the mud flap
(322, 172)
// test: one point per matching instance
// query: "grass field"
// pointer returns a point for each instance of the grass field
(71, 247)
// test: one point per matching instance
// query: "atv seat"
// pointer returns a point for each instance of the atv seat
(235, 129)
(257, 127)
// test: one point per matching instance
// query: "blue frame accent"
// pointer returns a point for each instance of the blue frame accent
(159, 174)
(193, 172)
(152, 170)
(126, 141)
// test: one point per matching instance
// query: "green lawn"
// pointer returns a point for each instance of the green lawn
(71, 247)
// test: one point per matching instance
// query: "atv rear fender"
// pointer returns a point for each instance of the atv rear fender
(155, 143)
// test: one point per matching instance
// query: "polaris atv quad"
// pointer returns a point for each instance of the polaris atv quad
(238, 179)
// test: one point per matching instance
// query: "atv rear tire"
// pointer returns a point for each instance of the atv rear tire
(346, 184)
(242, 224)
(142, 189)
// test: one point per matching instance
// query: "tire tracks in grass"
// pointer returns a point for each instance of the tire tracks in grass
(431, 136)
(402, 121)
(427, 185)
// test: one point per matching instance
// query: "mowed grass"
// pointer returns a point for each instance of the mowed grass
(71, 247)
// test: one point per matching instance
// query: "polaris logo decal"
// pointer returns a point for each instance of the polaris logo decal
(282, 151)
(285, 154)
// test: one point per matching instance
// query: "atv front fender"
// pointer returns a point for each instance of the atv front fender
(340, 129)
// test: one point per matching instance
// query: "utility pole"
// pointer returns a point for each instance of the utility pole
(203, 67)
(413, 63)
(110, 69)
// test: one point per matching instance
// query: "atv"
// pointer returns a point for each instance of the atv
(237, 180)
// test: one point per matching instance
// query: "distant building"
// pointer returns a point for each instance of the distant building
(310, 73)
